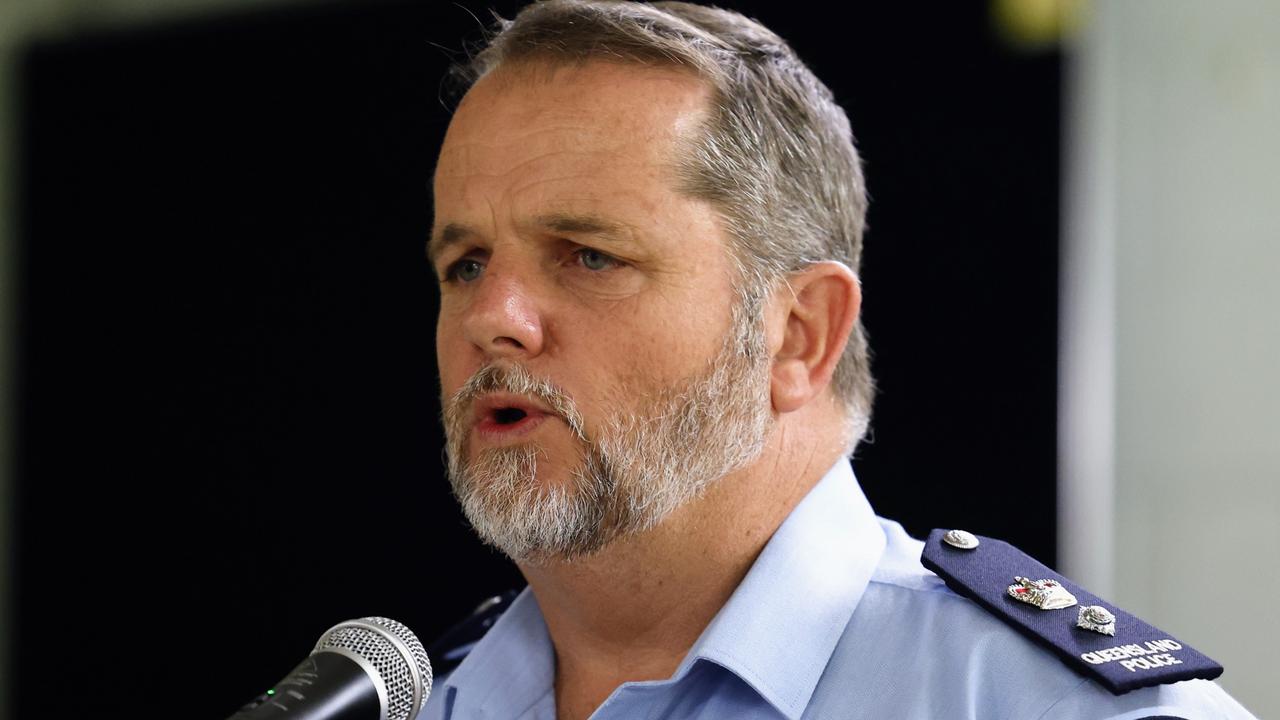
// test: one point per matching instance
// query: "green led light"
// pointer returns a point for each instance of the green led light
(271, 692)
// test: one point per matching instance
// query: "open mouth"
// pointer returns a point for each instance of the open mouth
(508, 415)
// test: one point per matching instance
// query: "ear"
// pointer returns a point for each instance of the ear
(819, 306)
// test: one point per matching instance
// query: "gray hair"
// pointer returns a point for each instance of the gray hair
(776, 156)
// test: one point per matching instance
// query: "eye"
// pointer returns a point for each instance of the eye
(464, 270)
(595, 260)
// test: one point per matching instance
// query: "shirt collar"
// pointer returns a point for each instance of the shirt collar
(780, 627)
(509, 670)
(776, 632)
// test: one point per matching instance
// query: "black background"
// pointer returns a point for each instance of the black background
(227, 393)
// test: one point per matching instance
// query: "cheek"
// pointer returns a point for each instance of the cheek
(634, 363)
(450, 359)
(679, 337)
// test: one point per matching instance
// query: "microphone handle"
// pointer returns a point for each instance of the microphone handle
(325, 686)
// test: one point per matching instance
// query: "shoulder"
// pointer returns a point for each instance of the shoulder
(938, 646)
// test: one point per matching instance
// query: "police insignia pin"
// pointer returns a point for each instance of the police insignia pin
(1044, 594)
(960, 539)
(1097, 619)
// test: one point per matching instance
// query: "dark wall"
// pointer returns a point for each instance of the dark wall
(228, 436)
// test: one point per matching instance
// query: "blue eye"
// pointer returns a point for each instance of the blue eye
(596, 260)
(464, 270)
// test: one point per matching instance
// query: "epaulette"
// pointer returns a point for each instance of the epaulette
(449, 650)
(1089, 634)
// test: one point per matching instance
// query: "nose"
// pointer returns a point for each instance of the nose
(502, 319)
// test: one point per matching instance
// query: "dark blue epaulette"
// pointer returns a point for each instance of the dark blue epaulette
(449, 650)
(1089, 634)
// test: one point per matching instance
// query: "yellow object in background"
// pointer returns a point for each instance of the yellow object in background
(1037, 24)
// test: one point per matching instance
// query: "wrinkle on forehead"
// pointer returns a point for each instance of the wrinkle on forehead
(522, 151)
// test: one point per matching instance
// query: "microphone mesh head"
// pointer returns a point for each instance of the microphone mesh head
(368, 639)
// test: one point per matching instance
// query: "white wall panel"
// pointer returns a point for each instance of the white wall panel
(1174, 226)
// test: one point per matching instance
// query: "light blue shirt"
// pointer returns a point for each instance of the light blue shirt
(836, 619)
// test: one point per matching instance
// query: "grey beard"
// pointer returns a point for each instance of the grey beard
(642, 466)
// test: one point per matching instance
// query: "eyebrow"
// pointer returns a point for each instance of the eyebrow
(566, 223)
(583, 225)
(450, 234)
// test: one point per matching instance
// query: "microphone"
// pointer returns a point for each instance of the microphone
(373, 668)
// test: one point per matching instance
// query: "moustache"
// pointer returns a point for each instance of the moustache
(516, 380)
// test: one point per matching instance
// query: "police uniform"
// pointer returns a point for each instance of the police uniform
(838, 618)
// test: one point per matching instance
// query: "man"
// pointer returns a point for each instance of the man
(648, 220)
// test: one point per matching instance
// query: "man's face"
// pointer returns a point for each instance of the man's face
(593, 370)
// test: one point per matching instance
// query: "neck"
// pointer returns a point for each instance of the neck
(632, 611)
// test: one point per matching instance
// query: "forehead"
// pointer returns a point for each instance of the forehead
(569, 134)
